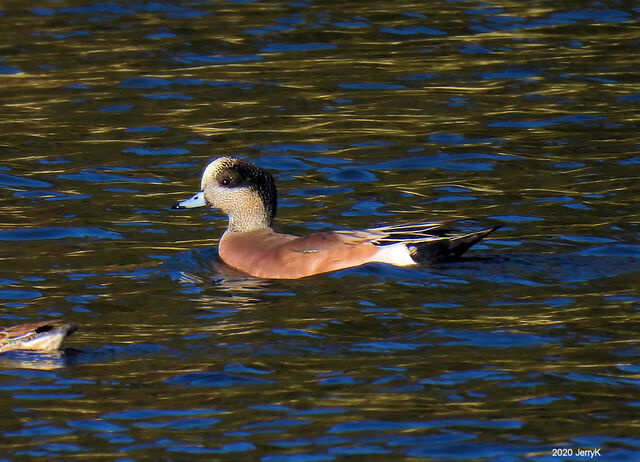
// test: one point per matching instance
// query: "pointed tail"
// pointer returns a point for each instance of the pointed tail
(446, 248)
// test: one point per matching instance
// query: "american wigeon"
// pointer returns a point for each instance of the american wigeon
(247, 195)
(45, 335)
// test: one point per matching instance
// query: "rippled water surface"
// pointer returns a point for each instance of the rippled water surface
(525, 113)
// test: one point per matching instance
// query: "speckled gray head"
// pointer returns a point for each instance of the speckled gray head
(239, 188)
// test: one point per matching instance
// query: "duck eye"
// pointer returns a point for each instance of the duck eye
(225, 182)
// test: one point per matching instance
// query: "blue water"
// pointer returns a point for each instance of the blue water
(524, 114)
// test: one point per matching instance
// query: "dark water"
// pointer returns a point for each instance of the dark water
(525, 113)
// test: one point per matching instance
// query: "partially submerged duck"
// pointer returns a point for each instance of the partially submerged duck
(247, 194)
(41, 336)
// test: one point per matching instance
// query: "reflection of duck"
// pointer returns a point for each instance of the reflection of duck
(247, 194)
(44, 336)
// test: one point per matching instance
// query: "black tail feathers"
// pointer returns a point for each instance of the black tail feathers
(446, 248)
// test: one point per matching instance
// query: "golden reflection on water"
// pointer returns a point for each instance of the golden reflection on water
(32, 360)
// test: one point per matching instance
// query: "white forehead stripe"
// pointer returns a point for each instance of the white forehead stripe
(212, 168)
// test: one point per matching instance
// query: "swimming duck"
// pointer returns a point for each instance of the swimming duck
(247, 194)
(44, 336)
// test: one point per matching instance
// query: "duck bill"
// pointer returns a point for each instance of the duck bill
(195, 201)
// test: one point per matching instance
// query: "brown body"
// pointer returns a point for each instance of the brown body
(267, 254)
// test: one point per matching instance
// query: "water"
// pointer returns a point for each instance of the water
(524, 113)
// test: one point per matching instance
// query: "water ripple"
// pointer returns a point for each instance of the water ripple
(215, 379)
(36, 234)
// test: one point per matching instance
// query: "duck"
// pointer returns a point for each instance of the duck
(247, 194)
(40, 336)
